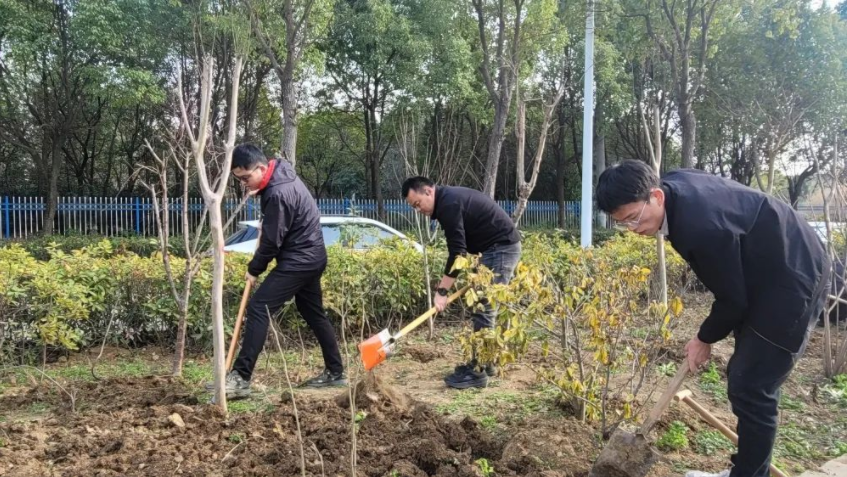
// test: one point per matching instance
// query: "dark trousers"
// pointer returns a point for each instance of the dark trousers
(278, 288)
(756, 372)
(502, 260)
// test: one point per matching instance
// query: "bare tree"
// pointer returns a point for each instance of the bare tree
(525, 187)
(213, 190)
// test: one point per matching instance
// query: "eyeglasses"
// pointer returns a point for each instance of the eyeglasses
(632, 224)
(245, 177)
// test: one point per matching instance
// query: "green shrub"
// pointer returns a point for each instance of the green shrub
(39, 246)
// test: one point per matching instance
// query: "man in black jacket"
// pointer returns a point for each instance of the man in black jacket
(764, 264)
(472, 223)
(291, 234)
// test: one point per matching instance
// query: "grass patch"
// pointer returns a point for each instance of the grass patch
(675, 438)
(836, 391)
(500, 407)
(795, 442)
(711, 442)
(250, 405)
(712, 384)
(194, 373)
(788, 403)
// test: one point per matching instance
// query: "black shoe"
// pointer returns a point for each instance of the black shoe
(460, 370)
(470, 378)
(326, 379)
(235, 386)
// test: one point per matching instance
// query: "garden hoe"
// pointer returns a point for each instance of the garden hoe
(379, 347)
(630, 455)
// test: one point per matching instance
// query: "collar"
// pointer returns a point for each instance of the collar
(664, 229)
(267, 177)
(439, 190)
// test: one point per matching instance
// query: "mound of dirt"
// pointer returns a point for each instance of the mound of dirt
(108, 394)
(148, 432)
(372, 393)
(546, 445)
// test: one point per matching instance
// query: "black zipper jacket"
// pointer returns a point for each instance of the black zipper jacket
(763, 262)
(291, 225)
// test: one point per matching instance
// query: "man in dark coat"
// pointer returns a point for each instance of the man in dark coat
(764, 264)
(472, 223)
(291, 234)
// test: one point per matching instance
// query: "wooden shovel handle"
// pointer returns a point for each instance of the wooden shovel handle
(665, 400)
(241, 309)
(237, 331)
(419, 320)
(717, 424)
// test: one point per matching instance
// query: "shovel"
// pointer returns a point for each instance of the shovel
(630, 455)
(686, 397)
(379, 347)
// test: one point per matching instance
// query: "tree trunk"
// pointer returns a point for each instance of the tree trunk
(53, 199)
(771, 153)
(495, 142)
(289, 115)
(219, 358)
(689, 131)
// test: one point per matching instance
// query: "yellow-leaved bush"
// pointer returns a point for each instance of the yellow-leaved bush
(591, 315)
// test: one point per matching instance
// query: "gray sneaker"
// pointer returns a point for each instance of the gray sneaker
(235, 386)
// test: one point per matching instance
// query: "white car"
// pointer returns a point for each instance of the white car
(367, 233)
(820, 228)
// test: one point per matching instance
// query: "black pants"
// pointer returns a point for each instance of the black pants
(756, 372)
(278, 288)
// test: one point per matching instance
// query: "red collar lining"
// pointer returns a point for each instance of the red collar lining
(268, 174)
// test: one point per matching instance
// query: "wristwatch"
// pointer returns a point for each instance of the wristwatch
(442, 291)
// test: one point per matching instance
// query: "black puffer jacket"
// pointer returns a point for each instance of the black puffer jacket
(291, 225)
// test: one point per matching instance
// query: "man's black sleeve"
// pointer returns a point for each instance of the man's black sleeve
(722, 269)
(453, 224)
(275, 224)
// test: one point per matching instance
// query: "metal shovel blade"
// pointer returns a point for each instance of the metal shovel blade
(625, 455)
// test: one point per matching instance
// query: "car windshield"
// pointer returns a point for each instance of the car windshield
(242, 235)
(357, 236)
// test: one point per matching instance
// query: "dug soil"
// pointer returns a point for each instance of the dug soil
(154, 427)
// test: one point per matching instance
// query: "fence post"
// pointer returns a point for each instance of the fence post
(8, 233)
(137, 203)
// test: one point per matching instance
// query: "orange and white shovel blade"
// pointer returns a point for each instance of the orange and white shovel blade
(375, 349)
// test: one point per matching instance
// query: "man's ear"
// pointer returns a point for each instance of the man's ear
(659, 194)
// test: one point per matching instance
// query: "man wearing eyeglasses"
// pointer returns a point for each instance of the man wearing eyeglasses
(472, 223)
(290, 234)
(764, 264)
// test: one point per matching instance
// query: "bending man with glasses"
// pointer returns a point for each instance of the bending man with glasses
(291, 234)
(764, 264)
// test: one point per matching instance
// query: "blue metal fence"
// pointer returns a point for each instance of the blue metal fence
(21, 217)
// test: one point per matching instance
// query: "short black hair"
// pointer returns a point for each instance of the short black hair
(247, 156)
(624, 183)
(416, 184)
